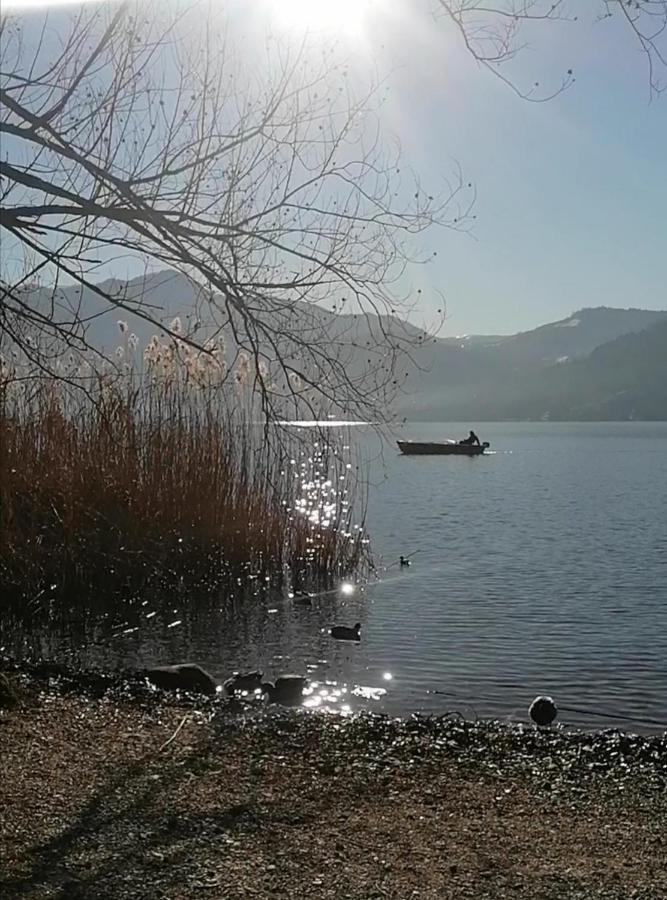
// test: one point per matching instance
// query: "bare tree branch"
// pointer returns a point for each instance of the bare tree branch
(495, 33)
(273, 191)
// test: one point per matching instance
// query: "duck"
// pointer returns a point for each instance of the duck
(345, 633)
(302, 598)
(543, 711)
(243, 681)
(187, 677)
(286, 689)
(404, 561)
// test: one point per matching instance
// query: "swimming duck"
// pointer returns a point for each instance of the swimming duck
(404, 561)
(543, 711)
(184, 677)
(345, 633)
(302, 598)
(243, 681)
(287, 689)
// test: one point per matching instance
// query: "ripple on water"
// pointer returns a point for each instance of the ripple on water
(541, 570)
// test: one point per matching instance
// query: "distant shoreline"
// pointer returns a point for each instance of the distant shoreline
(482, 422)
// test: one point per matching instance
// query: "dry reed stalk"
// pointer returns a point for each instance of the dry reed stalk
(144, 485)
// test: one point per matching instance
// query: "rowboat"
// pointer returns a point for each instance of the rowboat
(441, 448)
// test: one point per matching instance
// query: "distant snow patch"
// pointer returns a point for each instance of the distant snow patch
(571, 323)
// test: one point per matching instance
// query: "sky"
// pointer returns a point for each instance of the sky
(571, 194)
(571, 206)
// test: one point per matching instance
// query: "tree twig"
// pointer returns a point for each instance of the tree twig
(174, 735)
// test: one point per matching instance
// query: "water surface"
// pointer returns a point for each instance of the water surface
(540, 568)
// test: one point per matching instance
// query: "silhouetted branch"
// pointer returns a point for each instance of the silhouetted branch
(145, 136)
(493, 32)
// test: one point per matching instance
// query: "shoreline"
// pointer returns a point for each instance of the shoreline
(111, 790)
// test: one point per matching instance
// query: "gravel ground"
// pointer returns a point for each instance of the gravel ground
(94, 803)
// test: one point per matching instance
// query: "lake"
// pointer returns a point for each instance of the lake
(539, 568)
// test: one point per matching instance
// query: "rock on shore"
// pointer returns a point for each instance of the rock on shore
(123, 793)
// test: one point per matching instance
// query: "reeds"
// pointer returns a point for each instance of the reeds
(158, 477)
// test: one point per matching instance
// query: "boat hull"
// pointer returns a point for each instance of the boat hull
(435, 448)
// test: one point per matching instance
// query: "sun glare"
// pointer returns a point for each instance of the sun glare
(340, 16)
(29, 5)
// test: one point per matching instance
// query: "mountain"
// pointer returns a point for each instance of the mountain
(577, 335)
(597, 363)
(554, 372)
(623, 379)
(165, 295)
(324, 343)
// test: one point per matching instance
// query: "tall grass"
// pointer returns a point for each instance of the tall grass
(150, 480)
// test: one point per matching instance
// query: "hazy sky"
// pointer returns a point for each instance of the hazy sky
(572, 194)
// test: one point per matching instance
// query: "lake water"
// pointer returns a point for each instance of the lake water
(540, 568)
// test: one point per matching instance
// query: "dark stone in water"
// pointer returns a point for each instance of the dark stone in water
(185, 677)
(287, 689)
(93, 682)
(243, 681)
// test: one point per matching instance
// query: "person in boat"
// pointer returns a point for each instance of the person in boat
(471, 440)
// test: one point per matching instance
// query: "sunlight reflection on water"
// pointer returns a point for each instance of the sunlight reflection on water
(540, 570)
(325, 423)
